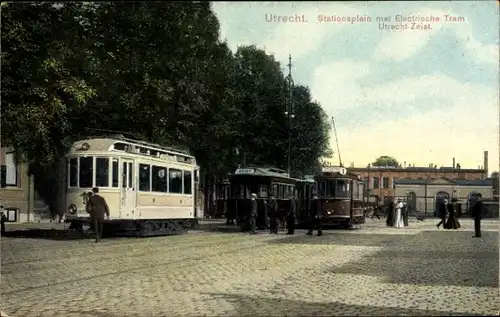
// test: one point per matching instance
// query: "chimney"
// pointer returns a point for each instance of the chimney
(453, 163)
(485, 163)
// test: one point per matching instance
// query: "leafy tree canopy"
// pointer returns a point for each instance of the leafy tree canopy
(386, 161)
(154, 69)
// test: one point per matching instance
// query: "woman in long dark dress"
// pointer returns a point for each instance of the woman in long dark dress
(452, 222)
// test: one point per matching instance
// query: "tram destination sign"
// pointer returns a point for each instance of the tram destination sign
(334, 169)
(245, 171)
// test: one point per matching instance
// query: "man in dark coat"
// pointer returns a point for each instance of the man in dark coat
(272, 209)
(98, 209)
(390, 213)
(3, 219)
(442, 212)
(292, 214)
(477, 213)
(253, 215)
(315, 216)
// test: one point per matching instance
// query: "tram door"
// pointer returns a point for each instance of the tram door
(128, 190)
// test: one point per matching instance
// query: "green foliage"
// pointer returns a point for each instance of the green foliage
(156, 69)
(386, 161)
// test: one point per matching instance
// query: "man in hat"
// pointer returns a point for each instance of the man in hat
(477, 213)
(441, 209)
(253, 215)
(98, 209)
(290, 219)
(272, 209)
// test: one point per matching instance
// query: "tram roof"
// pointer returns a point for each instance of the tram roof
(109, 143)
(261, 171)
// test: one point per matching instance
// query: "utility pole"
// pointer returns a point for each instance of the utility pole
(337, 141)
(289, 84)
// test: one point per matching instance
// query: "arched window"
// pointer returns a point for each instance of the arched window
(411, 202)
(471, 200)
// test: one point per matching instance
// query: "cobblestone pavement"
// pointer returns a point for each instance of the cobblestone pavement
(373, 271)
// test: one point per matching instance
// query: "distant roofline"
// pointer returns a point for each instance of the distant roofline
(417, 169)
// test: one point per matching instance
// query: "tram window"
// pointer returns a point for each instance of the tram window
(263, 191)
(86, 171)
(355, 190)
(321, 188)
(159, 179)
(187, 183)
(144, 178)
(102, 172)
(175, 181)
(124, 175)
(73, 172)
(342, 189)
(114, 173)
(330, 188)
(275, 190)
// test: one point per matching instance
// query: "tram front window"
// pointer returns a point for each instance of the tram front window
(86, 172)
(342, 189)
(321, 190)
(330, 188)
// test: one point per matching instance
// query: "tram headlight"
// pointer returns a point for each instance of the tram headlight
(72, 209)
(329, 212)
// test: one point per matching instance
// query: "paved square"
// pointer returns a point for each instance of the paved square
(372, 271)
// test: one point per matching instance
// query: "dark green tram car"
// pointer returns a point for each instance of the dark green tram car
(341, 196)
(261, 181)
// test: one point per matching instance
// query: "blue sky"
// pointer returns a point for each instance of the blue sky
(422, 96)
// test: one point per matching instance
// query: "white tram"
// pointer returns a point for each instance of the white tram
(150, 189)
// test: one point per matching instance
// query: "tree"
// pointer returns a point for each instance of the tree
(386, 161)
(310, 136)
(157, 70)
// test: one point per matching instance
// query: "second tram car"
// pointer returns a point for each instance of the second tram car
(341, 197)
(261, 181)
(150, 189)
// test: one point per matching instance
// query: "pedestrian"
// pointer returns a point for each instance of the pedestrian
(3, 219)
(272, 209)
(253, 214)
(405, 213)
(315, 216)
(375, 212)
(477, 213)
(292, 213)
(390, 213)
(441, 210)
(398, 220)
(452, 222)
(98, 209)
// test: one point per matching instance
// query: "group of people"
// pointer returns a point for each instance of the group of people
(272, 215)
(448, 213)
(397, 213)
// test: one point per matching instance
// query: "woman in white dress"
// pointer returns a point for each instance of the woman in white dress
(398, 219)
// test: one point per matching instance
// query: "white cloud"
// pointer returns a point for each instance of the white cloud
(401, 45)
(336, 85)
(466, 125)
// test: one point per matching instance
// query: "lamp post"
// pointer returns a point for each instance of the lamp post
(289, 84)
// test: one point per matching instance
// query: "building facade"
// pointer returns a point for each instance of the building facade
(18, 198)
(423, 195)
(379, 180)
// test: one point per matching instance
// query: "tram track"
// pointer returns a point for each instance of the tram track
(105, 248)
(159, 263)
